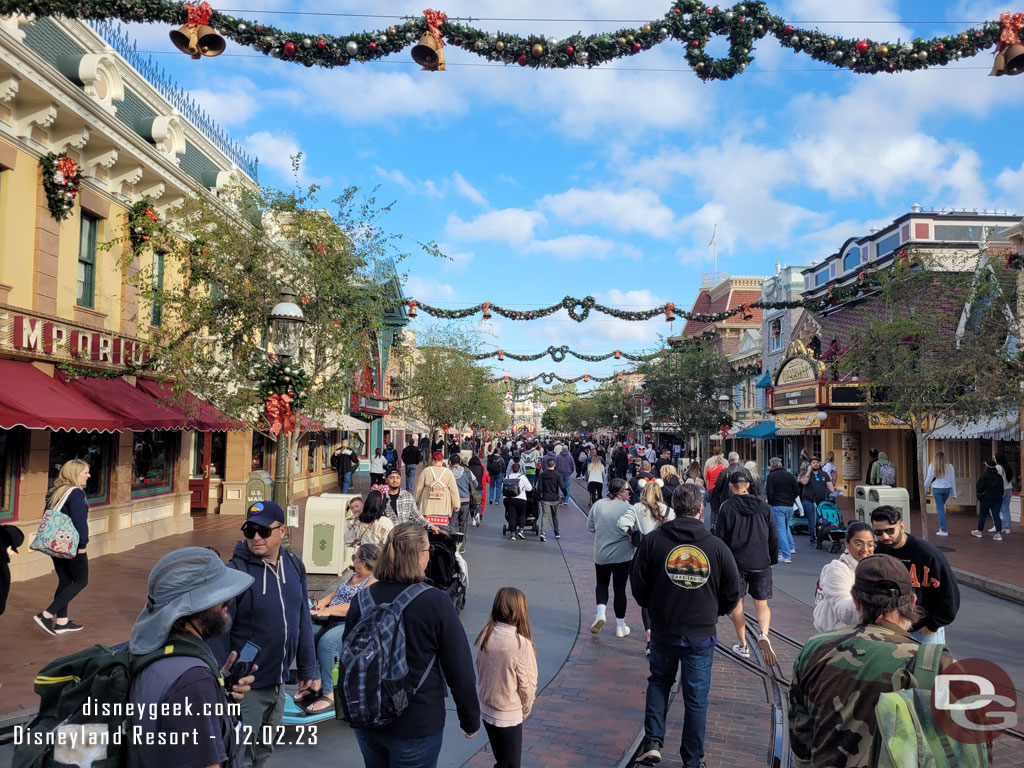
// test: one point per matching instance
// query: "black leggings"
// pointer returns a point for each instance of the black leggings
(595, 490)
(515, 513)
(72, 578)
(619, 575)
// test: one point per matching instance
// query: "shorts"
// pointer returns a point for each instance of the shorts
(758, 584)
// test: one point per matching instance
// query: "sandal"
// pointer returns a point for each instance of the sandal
(307, 696)
(307, 706)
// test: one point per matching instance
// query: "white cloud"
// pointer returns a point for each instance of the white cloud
(275, 151)
(428, 289)
(632, 210)
(458, 261)
(426, 188)
(511, 225)
(234, 102)
(579, 247)
(856, 17)
(467, 190)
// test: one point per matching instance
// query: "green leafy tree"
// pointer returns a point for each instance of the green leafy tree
(937, 347)
(683, 384)
(608, 401)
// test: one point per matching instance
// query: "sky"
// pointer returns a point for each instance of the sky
(609, 182)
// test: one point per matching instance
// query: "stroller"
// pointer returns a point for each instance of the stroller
(447, 569)
(830, 526)
(532, 513)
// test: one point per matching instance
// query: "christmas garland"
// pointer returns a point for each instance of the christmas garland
(690, 22)
(61, 179)
(548, 378)
(558, 354)
(143, 223)
(287, 379)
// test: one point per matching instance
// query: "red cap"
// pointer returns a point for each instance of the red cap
(437, 456)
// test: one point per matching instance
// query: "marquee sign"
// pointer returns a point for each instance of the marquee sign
(59, 341)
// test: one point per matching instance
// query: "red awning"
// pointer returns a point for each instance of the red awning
(197, 414)
(308, 425)
(29, 398)
(138, 410)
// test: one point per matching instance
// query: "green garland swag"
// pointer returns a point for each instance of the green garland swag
(61, 178)
(558, 354)
(284, 379)
(548, 378)
(143, 223)
(690, 22)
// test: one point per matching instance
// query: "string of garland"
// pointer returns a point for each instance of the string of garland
(548, 378)
(580, 309)
(143, 223)
(690, 22)
(61, 179)
(558, 354)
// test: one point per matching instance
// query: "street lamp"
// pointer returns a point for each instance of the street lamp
(723, 403)
(286, 321)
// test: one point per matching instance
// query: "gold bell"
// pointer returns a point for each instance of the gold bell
(1014, 56)
(429, 53)
(198, 40)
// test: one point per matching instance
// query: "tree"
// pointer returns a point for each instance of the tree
(683, 384)
(608, 401)
(936, 348)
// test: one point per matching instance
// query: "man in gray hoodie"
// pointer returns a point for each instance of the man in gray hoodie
(466, 482)
(566, 467)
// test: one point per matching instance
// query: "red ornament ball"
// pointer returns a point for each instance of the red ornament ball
(570, 50)
(677, 10)
(940, 47)
(710, 11)
(289, 48)
(372, 46)
(321, 44)
(695, 43)
(637, 47)
(787, 29)
(861, 46)
(521, 61)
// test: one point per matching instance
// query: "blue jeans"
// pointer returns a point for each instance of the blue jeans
(346, 482)
(939, 638)
(328, 649)
(494, 491)
(941, 497)
(380, 751)
(568, 485)
(410, 476)
(811, 511)
(694, 668)
(782, 517)
(1004, 510)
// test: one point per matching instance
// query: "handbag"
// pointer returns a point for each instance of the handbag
(636, 537)
(57, 535)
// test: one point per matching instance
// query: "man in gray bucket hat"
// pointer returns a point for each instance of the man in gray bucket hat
(188, 596)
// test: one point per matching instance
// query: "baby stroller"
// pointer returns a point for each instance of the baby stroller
(447, 569)
(831, 527)
(532, 513)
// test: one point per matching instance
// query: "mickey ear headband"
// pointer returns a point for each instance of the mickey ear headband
(381, 489)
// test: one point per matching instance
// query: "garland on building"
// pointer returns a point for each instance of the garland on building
(689, 22)
(61, 179)
(558, 354)
(283, 389)
(143, 223)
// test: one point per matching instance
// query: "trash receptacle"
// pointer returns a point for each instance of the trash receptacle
(896, 497)
(862, 505)
(323, 534)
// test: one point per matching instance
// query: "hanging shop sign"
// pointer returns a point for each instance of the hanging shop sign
(850, 445)
(57, 341)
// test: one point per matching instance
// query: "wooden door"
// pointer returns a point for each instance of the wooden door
(200, 486)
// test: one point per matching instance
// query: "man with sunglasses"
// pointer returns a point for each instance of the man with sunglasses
(274, 614)
(938, 595)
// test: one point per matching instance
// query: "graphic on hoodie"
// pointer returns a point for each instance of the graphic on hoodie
(687, 567)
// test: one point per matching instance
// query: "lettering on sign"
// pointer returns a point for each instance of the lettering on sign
(796, 398)
(850, 445)
(794, 371)
(65, 342)
(797, 421)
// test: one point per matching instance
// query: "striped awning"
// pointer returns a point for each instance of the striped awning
(1004, 426)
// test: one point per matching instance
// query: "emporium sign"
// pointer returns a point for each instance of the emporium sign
(58, 341)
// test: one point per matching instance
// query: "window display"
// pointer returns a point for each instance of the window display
(152, 462)
(96, 449)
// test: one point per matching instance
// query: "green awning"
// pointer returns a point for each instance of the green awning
(765, 381)
(761, 431)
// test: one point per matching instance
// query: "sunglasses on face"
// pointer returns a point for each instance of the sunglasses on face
(250, 529)
(885, 531)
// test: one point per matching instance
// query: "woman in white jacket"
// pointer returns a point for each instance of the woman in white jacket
(833, 603)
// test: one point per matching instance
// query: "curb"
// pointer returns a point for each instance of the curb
(990, 586)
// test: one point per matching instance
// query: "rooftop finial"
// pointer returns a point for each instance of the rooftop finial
(916, 208)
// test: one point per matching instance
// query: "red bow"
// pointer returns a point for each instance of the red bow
(412, 308)
(279, 414)
(670, 312)
(501, 354)
(434, 21)
(67, 166)
(198, 14)
(1012, 25)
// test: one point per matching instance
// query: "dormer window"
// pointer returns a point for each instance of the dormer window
(852, 259)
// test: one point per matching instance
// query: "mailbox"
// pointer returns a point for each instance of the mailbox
(260, 487)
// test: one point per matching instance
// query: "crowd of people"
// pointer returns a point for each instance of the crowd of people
(688, 540)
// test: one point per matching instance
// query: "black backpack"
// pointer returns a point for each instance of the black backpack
(103, 676)
(510, 487)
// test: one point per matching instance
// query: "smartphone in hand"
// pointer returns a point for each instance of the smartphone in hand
(242, 666)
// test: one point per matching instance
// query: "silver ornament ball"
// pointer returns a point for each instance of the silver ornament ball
(410, 36)
(582, 57)
(729, 15)
(352, 47)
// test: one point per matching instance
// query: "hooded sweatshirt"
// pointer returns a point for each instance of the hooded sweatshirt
(274, 614)
(686, 578)
(745, 524)
(463, 481)
(564, 464)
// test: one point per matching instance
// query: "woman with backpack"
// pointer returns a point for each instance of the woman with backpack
(641, 519)
(506, 668)
(68, 495)
(514, 490)
(613, 553)
(437, 656)
(595, 476)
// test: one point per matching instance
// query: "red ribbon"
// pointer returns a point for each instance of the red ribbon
(151, 215)
(434, 21)
(1012, 25)
(670, 311)
(412, 308)
(198, 14)
(67, 166)
(279, 414)
(501, 354)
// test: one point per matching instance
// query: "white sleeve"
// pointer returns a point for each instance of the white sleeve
(836, 583)
(929, 478)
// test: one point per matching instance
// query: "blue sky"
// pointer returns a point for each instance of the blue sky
(608, 182)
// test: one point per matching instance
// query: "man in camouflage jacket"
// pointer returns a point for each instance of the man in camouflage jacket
(839, 675)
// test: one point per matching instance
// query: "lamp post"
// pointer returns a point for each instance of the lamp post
(286, 321)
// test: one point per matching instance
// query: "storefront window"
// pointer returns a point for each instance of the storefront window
(152, 462)
(212, 466)
(198, 454)
(329, 439)
(359, 441)
(218, 453)
(96, 449)
(313, 441)
(262, 449)
(8, 461)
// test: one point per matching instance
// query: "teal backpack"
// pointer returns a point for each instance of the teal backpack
(906, 735)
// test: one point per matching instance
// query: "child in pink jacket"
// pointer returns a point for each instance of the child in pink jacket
(506, 668)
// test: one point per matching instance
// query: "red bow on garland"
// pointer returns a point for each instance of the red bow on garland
(279, 414)
(412, 308)
(67, 166)
(1012, 25)
(434, 21)
(198, 15)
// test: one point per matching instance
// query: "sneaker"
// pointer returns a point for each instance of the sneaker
(650, 753)
(997, 537)
(597, 626)
(474, 521)
(45, 623)
(647, 650)
(61, 629)
(992, 529)
(543, 537)
(941, 533)
(557, 536)
(741, 650)
(521, 533)
(767, 651)
(785, 560)
(976, 534)
(621, 631)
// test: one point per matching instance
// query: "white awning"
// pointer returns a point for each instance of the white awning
(739, 426)
(999, 427)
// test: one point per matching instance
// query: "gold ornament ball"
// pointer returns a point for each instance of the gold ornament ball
(499, 46)
(882, 51)
(831, 43)
(622, 41)
(537, 50)
(646, 28)
(964, 38)
(392, 31)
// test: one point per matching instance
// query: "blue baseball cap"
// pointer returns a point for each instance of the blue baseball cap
(265, 513)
